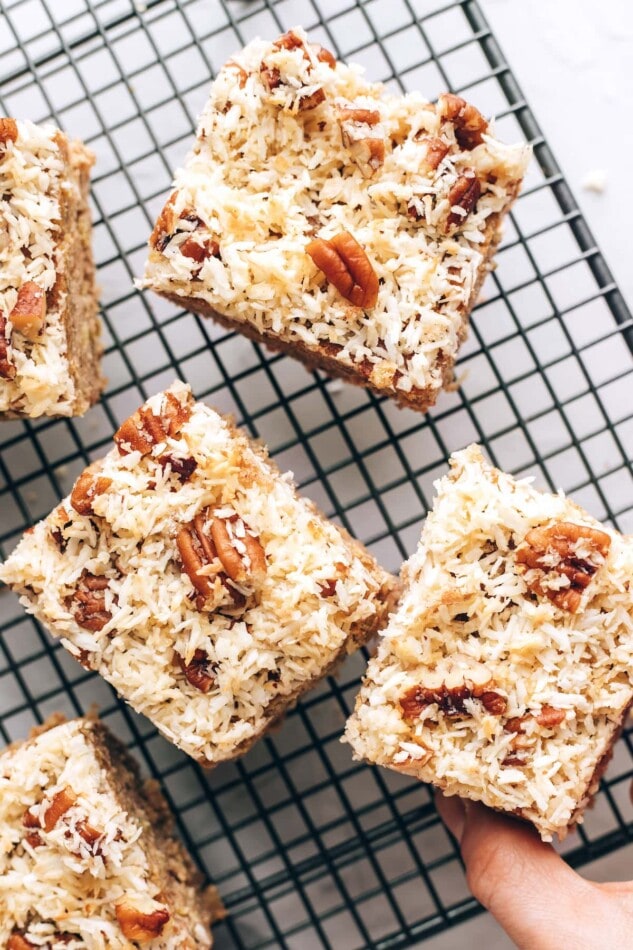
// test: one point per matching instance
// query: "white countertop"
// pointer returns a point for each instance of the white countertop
(573, 59)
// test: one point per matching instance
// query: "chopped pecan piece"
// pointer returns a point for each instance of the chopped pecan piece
(198, 671)
(90, 604)
(327, 588)
(8, 131)
(91, 836)
(310, 100)
(324, 55)
(271, 77)
(469, 123)
(29, 313)
(86, 488)
(452, 694)
(550, 717)
(34, 839)
(136, 925)
(199, 251)
(7, 367)
(562, 551)
(143, 430)
(29, 820)
(346, 265)
(436, 150)
(60, 803)
(463, 194)
(183, 468)
(18, 941)
(357, 132)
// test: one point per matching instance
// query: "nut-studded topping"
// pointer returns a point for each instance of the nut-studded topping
(7, 367)
(90, 604)
(198, 671)
(469, 123)
(137, 925)
(143, 430)
(60, 803)
(8, 131)
(436, 150)
(346, 265)
(29, 313)
(463, 194)
(221, 557)
(86, 488)
(452, 692)
(560, 561)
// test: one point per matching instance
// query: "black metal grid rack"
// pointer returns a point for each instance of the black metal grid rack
(309, 849)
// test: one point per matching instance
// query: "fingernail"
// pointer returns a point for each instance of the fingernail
(452, 812)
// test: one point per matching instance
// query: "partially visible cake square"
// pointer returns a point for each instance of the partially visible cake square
(88, 857)
(50, 334)
(187, 571)
(505, 675)
(335, 221)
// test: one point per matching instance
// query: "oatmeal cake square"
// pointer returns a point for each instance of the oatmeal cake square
(505, 674)
(88, 857)
(327, 218)
(50, 335)
(186, 570)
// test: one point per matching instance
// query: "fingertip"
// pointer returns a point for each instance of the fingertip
(452, 811)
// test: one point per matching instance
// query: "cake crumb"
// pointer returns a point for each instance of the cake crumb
(595, 180)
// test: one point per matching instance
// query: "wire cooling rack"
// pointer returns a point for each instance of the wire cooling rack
(309, 849)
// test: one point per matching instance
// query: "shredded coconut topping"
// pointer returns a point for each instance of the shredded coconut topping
(70, 852)
(32, 175)
(511, 691)
(210, 602)
(291, 147)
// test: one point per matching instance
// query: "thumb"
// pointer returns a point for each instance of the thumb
(538, 900)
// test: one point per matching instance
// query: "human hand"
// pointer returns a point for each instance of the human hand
(538, 900)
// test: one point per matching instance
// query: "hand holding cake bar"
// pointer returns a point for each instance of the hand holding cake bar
(505, 675)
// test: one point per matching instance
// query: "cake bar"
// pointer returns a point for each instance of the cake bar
(505, 674)
(50, 343)
(185, 569)
(337, 222)
(88, 858)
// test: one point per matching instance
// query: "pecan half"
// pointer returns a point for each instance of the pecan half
(60, 803)
(86, 488)
(240, 552)
(143, 430)
(8, 131)
(452, 694)
(89, 602)
(135, 925)
(346, 265)
(562, 551)
(7, 367)
(469, 123)
(198, 671)
(463, 194)
(29, 313)
(228, 545)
